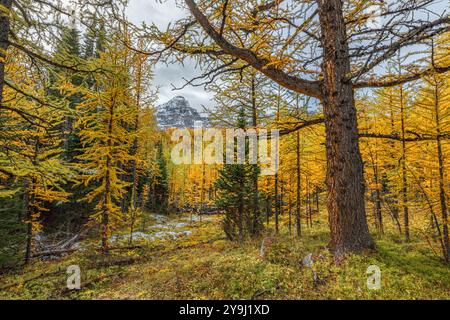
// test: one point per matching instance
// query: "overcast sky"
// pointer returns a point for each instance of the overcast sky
(161, 14)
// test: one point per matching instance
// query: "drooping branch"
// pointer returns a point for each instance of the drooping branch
(212, 75)
(175, 41)
(34, 55)
(302, 86)
(7, 173)
(413, 136)
(411, 37)
(30, 118)
(302, 125)
(392, 82)
(28, 95)
(416, 137)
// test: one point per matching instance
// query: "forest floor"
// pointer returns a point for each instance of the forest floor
(183, 259)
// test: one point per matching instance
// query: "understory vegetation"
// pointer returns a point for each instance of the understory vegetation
(336, 175)
(204, 265)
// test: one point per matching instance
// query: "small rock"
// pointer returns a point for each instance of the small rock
(308, 261)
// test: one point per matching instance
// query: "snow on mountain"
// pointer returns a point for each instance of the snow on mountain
(177, 113)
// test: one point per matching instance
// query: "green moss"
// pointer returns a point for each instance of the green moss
(224, 270)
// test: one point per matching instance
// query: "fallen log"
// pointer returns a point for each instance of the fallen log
(52, 253)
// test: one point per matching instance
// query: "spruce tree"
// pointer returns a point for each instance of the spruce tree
(68, 48)
(236, 195)
(159, 193)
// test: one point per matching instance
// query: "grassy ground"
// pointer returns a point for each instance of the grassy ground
(204, 266)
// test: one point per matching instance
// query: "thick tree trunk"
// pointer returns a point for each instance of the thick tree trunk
(4, 32)
(345, 203)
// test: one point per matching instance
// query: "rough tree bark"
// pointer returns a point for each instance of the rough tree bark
(344, 177)
(345, 203)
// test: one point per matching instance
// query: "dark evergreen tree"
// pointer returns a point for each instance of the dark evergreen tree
(72, 215)
(68, 48)
(236, 194)
(12, 229)
(159, 191)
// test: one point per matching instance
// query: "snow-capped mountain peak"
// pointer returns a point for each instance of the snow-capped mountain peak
(177, 113)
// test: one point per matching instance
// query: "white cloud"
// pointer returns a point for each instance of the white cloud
(165, 76)
(153, 11)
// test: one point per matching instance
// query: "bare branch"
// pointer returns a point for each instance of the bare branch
(307, 87)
